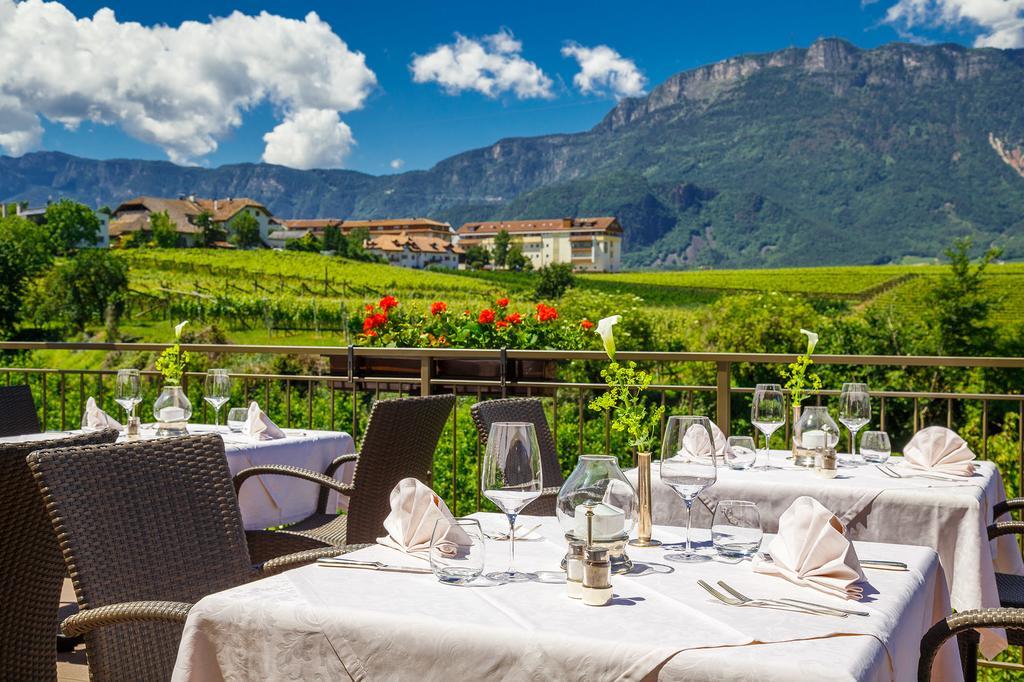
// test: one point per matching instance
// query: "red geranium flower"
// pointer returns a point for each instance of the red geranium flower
(388, 302)
(586, 324)
(546, 313)
(438, 307)
(373, 321)
(486, 316)
(513, 318)
(501, 303)
(369, 307)
(501, 324)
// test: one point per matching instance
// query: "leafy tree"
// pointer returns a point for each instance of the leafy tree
(90, 287)
(70, 224)
(477, 257)
(961, 305)
(212, 232)
(356, 245)
(516, 260)
(25, 250)
(305, 243)
(501, 247)
(165, 230)
(333, 239)
(136, 240)
(554, 280)
(245, 230)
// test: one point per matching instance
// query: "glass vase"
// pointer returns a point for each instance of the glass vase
(172, 410)
(814, 432)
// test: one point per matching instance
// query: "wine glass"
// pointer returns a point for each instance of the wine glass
(511, 479)
(128, 390)
(688, 466)
(768, 415)
(741, 452)
(854, 411)
(875, 447)
(457, 551)
(217, 391)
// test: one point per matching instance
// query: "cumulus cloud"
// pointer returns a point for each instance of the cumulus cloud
(1000, 22)
(180, 88)
(396, 164)
(491, 65)
(605, 71)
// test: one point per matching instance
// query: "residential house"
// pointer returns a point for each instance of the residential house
(589, 244)
(300, 227)
(38, 216)
(134, 215)
(415, 250)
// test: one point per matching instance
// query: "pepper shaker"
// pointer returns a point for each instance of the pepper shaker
(574, 569)
(597, 573)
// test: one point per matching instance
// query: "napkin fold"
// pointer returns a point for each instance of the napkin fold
(695, 441)
(415, 508)
(937, 449)
(96, 418)
(811, 550)
(258, 425)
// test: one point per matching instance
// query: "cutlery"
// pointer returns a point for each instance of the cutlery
(892, 473)
(822, 608)
(878, 564)
(779, 606)
(519, 535)
(338, 562)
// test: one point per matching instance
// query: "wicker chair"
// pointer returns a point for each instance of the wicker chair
(18, 414)
(964, 626)
(31, 567)
(400, 440)
(525, 410)
(146, 528)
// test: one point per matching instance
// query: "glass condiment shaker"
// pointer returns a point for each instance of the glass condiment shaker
(597, 573)
(574, 569)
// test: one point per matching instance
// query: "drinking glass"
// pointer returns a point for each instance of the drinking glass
(875, 447)
(768, 415)
(457, 551)
(217, 391)
(741, 453)
(688, 466)
(736, 528)
(236, 418)
(854, 411)
(128, 390)
(511, 479)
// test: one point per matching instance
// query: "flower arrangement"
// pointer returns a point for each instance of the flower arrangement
(625, 385)
(799, 383)
(173, 362)
(498, 325)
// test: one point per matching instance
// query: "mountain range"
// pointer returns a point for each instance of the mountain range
(829, 154)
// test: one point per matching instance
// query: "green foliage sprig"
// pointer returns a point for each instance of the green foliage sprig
(799, 383)
(173, 362)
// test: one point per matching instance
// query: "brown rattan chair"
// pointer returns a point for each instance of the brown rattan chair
(31, 567)
(400, 440)
(529, 410)
(146, 528)
(964, 627)
(18, 414)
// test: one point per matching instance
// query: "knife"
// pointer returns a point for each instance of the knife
(884, 565)
(337, 562)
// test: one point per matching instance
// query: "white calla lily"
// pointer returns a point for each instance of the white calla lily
(178, 328)
(812, 340)
(604, 328)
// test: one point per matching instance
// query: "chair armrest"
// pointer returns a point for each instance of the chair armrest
(1010, 619)
(288, 561)
(124, 612)
(548, 492)
(1005, 528)
(285, 470)
(1006, 506)
(338, 461)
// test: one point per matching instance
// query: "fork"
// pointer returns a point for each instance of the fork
(808, 604)
(892, 473)
(765, 603)
(520, 534)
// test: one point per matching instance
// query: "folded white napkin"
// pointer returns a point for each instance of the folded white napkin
(695, 441)
(95, 418)
(415, 508)
(811, 550)
(258, 425)
(937, 449)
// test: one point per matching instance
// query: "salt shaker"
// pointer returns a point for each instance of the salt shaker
(574, 569)
(132, 430)
(597, 573)
(825, 464)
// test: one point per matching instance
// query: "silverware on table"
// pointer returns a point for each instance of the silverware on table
(879, 564)
(825, 608)
(339, 562)
(767, 603)
(889, 471)
(504, 536)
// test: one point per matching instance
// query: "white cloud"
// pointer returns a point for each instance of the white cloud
(396, 164)
(1000, 22)
(180, 88)
(605, 71)
(491, 65)
(309, 138)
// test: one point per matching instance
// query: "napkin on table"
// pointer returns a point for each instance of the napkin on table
(415, 508)
(96, 418)
(811, 550)
(695, 440)
(258, 425)
(937, 449)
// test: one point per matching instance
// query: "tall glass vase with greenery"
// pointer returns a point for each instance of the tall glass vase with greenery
(800, 382)
(172, 408)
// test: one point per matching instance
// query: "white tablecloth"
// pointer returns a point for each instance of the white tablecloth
(268, 501)
(339, 623)
(951, 518)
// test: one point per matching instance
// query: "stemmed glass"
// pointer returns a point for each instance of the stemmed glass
(688, 466)
(768, 415)
(128, 390)
(854, 411)
(511, 479)
(217, 391)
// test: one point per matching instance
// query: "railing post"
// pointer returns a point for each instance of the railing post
(723, 414)
(503, 359)
(426, 373)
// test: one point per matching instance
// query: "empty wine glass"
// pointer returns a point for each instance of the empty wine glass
(768, 415)
(217, 391)
(875, 447)
(741, 452)
(854, 411)
(128, 390)
(688, 466)
(511, 479)
(736, 528)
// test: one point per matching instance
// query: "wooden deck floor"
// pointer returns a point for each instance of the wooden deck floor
(71, 667)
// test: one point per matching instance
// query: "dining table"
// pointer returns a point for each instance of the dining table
(328, 622)
(951, 516)
(268, 501)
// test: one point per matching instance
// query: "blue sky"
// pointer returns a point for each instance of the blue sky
(422, 123)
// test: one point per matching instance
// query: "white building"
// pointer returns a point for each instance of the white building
(415, 250)
(589, 244)
(134, 215)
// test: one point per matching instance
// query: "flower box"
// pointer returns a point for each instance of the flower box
(367, 369)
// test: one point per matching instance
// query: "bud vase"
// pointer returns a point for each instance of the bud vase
(172, 411)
